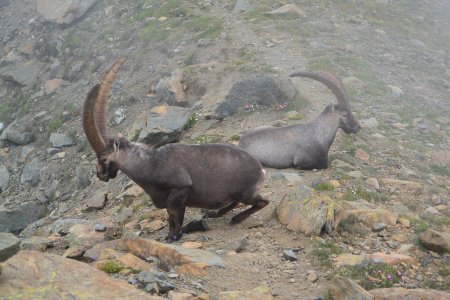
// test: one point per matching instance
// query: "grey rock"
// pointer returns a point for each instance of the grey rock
(53, 151)
(373, 183)
(155, 281)
(431, 210)
(37, 228)
(162, 125)
(290, 177)
(355, 174)
(63, 11)
(60, 140)
(290, 255)
(435, 240)
(2, 126)
(83, 176)
(238, 245)
(345, 289)
(4, 3)
(62, 227)
(377, 227)
(36, 243)
(243, 6)
(19, 138)
(9, 245)
(170, 89)
(25, 74)
(369, 123)
(15, 220)
(305, 211)
(100, 227)
(97, 201)
(4, 177)
(260, 90)
(31, 172)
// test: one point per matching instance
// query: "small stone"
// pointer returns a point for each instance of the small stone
(373, 183)
(192, 245)
(431, 210)
(52, 85)
(362, 155)
(377, 227)
(355, 174)
(152, 226)
(312, 276)
(334, 183)
(442, 207)
(100, 227)
(369, 123)
(401, 238)
(395, 90)
(436, 200)
(9, 245)
(404, 222)
(290, 255)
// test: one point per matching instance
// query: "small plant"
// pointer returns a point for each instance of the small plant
(54, 125)
(350, 225)
(323, 186)
(235, 137)
(193, 119)
(323, 250)
(441, 170)
(206, 139)
(112, 267)
(371, 275)
(417, 225)
(444, 272)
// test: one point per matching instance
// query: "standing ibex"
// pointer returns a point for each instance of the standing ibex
(211, 176)
(303, 146)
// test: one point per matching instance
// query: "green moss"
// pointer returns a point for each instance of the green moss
(444, 272)
(418, 225)
(112, 267)
(356, 193)
(54, 125)
(154, 31)
(441, 170)
(323, 186)
(235, 137)
(205, 26)
(323, 249)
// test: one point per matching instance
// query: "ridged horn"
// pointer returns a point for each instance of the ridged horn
(90, 128)
(332, 82)
(101, 105)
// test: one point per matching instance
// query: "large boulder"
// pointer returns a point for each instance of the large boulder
(399, 293)
(258, 90)
(345, 289)
(9, 245)
(161, 125)
(15, 220)
(308, 212)
(435, 240)
(63, 12)
(31, 173)
(4, 177)
(24, 74)
(36, 275)
(170, 89)
(185, 260)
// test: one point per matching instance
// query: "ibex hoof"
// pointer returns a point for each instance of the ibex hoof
(173, 237)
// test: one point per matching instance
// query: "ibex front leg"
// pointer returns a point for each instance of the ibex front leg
(176, 206)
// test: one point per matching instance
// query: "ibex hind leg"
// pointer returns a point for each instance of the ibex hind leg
(257, 203)
(220, 212)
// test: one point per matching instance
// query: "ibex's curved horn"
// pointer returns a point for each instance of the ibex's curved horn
(331, 81)
(101, 106)
(90, 128)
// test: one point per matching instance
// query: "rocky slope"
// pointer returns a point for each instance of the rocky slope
(384, 198)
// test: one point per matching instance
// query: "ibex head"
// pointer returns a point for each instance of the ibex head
(347, 121)
(95, 118)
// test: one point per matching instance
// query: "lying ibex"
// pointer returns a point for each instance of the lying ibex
(303, 146)
(211, 176)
